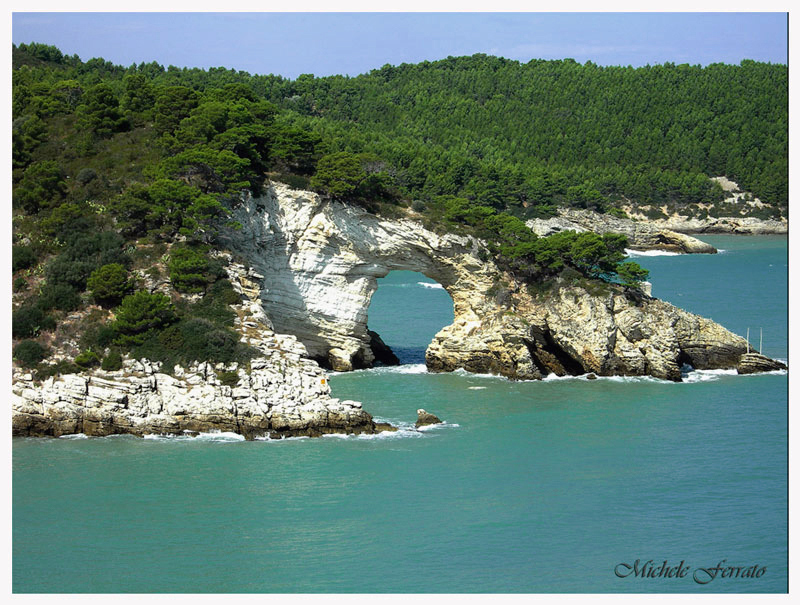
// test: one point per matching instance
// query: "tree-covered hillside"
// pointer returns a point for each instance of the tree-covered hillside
(556, 132)
(124, 176)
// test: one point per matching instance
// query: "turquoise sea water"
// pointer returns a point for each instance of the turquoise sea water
(529, 486)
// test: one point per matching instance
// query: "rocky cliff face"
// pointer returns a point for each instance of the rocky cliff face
(573, 332)
(641, 235)
(321, 260)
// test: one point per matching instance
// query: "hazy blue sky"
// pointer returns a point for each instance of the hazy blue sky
(351, 43)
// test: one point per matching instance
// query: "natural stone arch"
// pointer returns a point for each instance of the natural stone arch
(406, 311)
(321, 261)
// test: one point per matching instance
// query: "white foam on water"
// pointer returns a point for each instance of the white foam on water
(707, 375)
(269, 439)
(408, 368)
(630, 252)
(436, 286)
(210, 436)
(476, 388)
(463, 372)
(75, 436)
(437, 426)
(554, 378)
(401, 433)
(219, 436)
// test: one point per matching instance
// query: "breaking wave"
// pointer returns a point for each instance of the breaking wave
(630, 252)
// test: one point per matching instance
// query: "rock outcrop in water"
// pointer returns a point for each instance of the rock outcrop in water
(321, 261)
(754, 363)
(426, 418)
(641, 235)
(278, 396)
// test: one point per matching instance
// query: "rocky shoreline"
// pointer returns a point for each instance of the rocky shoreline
(641, 235)
(280, 393)
(671, 235)
(278, 397)
(312, 268)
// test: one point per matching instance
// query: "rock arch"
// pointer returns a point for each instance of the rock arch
(320, 262)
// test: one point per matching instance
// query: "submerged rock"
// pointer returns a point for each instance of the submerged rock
(753, 363)
(383, 353)
(426, 418)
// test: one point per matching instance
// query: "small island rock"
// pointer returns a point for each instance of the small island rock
(425, 418)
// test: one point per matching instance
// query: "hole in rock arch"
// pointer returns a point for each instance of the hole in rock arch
(406, 311)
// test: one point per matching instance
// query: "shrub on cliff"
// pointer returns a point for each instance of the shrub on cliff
(109, 284)
(229, 379)
(28, 353)
(139, 314)
(112, 362)
(632, 274)
(87, 359)
(29, 320)
(22, 257)
(58, 296)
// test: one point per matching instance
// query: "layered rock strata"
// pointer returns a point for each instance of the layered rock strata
(321, 261)
(279, 395)
(754, 363)
(641, 236)
(573, 332)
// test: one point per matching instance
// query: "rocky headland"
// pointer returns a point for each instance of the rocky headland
(742, 202)
(321, 261)
(306, 272)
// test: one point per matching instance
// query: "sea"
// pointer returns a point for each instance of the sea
(564, 485)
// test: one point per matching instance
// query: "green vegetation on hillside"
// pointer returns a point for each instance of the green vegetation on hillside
(126, 171)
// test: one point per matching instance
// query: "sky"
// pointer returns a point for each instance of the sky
(323, 44)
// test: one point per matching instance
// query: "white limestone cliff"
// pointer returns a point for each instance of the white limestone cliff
(321, 261)
(279, 393)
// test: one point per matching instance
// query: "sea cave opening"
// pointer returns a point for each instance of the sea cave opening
(406, 311)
